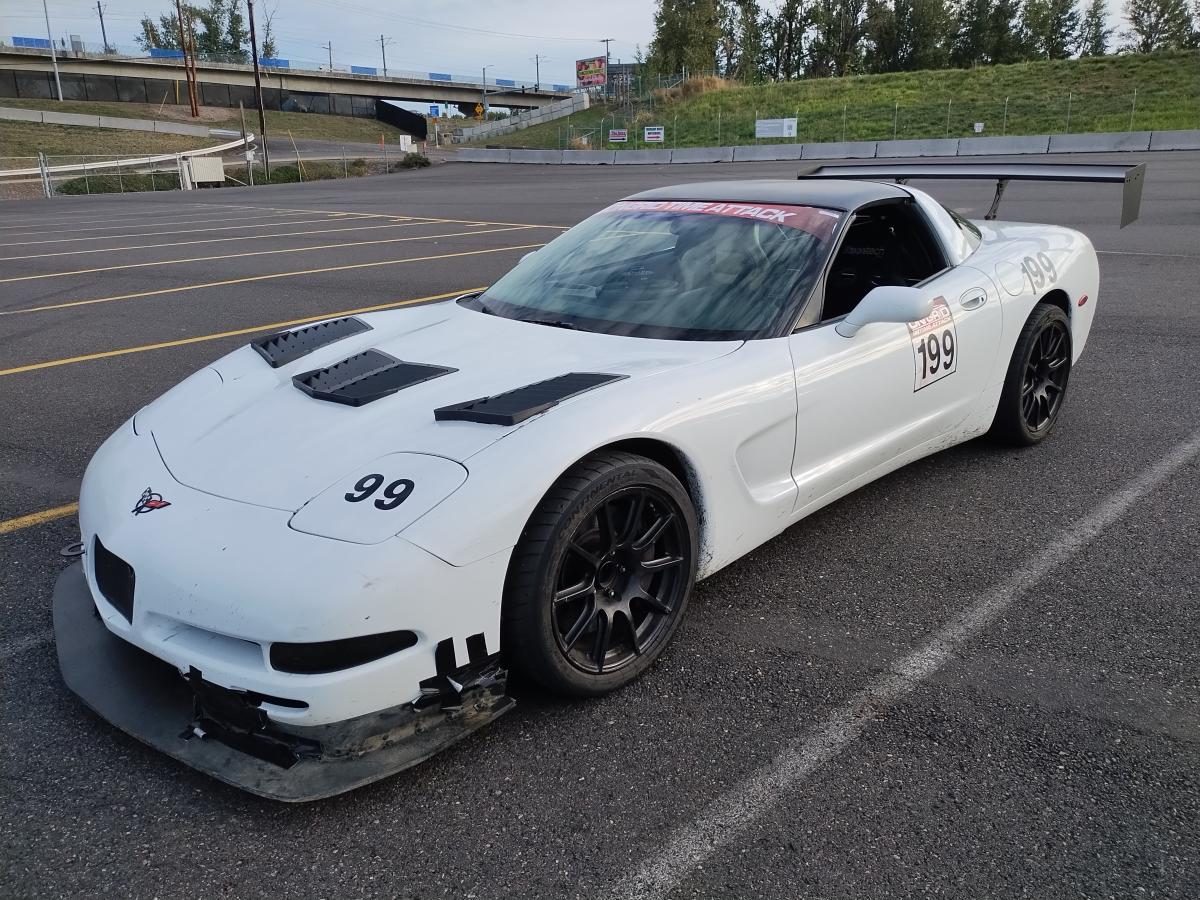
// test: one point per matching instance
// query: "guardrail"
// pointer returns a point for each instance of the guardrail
(983, 146)
(44, 171)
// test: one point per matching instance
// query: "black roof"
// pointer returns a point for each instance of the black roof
(831, 194)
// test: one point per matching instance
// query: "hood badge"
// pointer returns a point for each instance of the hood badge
(148, 502)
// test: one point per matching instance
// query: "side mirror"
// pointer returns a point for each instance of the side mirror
(887, 303)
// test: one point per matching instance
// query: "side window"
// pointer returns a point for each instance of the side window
(884, 244)
(969, 231)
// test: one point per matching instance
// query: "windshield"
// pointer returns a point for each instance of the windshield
(680, 270)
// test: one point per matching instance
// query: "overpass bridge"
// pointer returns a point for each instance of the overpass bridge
(28, 73)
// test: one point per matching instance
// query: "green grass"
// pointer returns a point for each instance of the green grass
(25, 139)
(302, 125)
(1096, 93)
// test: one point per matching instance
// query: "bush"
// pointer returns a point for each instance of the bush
(413, 161)
(116, 184)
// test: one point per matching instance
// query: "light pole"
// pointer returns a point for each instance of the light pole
(607, 57)
(262, 112)
(485, 99)
(53, 55)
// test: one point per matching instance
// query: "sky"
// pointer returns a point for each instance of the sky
(453, 36)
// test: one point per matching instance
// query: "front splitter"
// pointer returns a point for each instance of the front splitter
(149, 700)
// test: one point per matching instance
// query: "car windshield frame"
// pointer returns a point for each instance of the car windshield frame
(819, 224)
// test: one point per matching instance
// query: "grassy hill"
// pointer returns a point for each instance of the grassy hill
(1083, 95)
(301, 125)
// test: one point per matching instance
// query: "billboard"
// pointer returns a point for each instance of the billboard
(591, 72)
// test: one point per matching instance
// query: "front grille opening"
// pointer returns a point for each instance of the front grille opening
(114, 578)
(333, 656)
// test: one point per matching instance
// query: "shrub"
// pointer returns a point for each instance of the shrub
(413, 161)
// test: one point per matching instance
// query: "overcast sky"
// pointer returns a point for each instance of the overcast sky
(453, 36)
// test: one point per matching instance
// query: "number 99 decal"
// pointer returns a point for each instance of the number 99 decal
(393, 495)
(935, 345)
(1039, 270)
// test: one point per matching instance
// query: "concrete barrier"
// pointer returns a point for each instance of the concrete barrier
(642, 157)
(21, 115)
(989, 146)
(479, 154)
(589, 157)
(1099, 143)
(57, 118)
(909, 149)
(535, 156)
(767, 152)
(702, 155)
(1175, 140)
(840, 150)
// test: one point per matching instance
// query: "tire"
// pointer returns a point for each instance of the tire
(1036, 383)
(601, 576)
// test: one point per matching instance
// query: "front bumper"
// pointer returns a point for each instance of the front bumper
(226, 734)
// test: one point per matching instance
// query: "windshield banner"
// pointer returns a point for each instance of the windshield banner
(817, 222)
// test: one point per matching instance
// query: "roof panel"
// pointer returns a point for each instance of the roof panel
(831, 194)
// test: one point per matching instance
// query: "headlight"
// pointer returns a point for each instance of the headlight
(380, 499)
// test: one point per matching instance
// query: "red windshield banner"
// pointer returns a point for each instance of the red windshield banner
(817, 222)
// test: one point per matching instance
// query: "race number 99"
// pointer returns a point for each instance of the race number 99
(935, 345)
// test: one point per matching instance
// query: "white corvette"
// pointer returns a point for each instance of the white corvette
(311, 563)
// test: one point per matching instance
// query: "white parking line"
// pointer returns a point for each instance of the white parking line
(739, 808)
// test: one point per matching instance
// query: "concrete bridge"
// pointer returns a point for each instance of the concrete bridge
(88, 76)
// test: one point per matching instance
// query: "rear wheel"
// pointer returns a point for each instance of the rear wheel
(601, 576)
(1037, 377)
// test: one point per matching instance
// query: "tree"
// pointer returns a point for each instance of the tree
(1050, 28)
(924, 29)
(882, 52)
(270, 50)
(1006, 41)
(686, 36)
(748, 40)
(785, 32)
(1157, 25)
(219, 29)
(1094, 33)
(972, 44)
(838, 32)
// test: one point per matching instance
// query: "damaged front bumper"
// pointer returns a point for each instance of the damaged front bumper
(226, 734)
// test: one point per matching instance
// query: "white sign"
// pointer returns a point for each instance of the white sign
(774, 128)
(618, 135)
(935, 345)
(979, 128)
(655, 134)
(434, 111)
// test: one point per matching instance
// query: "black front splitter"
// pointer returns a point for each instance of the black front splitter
(223, 734)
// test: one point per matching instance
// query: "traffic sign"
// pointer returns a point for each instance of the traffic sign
(434, 110)
(618, 135)
(655, 134)
(479, 110)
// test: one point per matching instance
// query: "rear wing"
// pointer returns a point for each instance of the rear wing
(1131, 177)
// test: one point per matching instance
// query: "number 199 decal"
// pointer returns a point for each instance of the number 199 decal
(935, 345)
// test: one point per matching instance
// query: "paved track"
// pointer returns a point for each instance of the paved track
(1051, 750)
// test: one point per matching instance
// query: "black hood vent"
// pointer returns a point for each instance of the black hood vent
(515, 406)
(365, 377)
(288, 346)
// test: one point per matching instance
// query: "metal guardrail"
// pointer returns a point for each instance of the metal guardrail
(128, 162)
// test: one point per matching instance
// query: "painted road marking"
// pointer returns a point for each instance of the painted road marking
(37, 518)
(393, 215)
(233, 237)
(272, 326)
(193, 259)
(273, 215)
(128, 215)
(268, 277)
(738, 809)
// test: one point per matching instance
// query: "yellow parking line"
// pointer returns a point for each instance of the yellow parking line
(250, 278)
(37, 518)
(272, 326)
(193, 259)
(218, 240)
(113, 237)
(128, 215)
(273, 215)
(393, 215)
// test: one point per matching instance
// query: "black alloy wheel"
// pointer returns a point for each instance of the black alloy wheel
(601, 577)
(1036, 382)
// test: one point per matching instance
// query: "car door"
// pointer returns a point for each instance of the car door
(863, 401)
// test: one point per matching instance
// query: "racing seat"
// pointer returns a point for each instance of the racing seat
(867, 258)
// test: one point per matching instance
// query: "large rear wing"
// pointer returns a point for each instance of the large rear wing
(1131, 177)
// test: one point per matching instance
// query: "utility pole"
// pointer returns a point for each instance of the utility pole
(537, 68)
(485, 99)
(329, 47)
(103, 33)
(258, 94)
(383, 42)
(607, 58)
(187, 69)
(53, 55)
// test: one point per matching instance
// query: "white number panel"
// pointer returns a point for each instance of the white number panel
(935, 345)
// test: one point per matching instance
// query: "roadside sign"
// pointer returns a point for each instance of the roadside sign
(774, 128)
(479, 110)
(655, 134)
(434, 111)
(618, 135)
(979, 128)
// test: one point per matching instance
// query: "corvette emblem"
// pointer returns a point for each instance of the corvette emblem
(148, 502)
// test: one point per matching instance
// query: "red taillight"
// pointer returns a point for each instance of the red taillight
(1082, 300)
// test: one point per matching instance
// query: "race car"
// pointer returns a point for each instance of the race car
(313, 562)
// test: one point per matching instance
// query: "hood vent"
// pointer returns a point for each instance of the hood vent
(365, 377)
(515, 406)
(288, 346)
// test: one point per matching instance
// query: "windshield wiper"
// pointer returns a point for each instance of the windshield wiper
(553, 323)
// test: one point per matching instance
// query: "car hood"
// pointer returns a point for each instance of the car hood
(242, 430)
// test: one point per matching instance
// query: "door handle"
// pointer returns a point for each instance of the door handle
(973, 299)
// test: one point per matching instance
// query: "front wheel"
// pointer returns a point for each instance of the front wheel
(601, 577)
(1037, 377)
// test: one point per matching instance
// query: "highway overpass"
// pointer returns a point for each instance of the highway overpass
(87, 76)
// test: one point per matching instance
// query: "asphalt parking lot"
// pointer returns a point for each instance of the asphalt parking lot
(798, 739)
